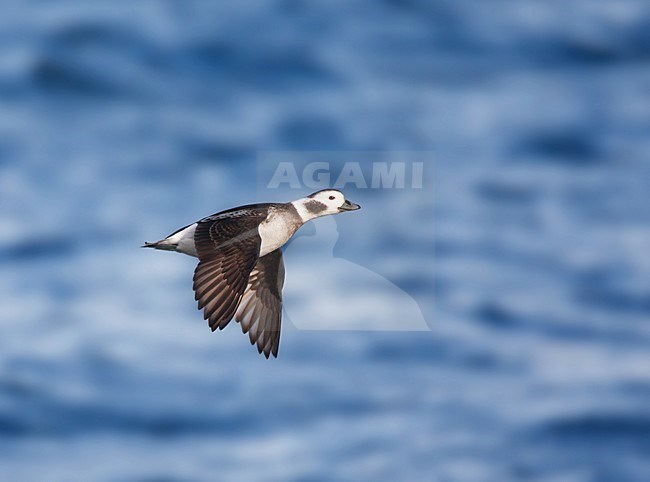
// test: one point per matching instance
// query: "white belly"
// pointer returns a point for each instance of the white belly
(274, 232)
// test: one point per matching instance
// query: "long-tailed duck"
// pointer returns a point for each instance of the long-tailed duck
(240, 271)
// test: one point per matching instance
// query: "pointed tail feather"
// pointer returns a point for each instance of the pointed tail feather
(166, 246)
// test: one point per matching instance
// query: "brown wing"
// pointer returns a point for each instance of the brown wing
(228, 246)
(260, 310)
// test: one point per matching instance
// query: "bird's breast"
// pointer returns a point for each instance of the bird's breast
(275, 231)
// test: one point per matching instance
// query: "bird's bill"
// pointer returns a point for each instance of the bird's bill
(348, 206)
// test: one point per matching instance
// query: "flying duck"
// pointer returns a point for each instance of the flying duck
(240, 271)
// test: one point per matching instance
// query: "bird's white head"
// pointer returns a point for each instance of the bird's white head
(322, 203)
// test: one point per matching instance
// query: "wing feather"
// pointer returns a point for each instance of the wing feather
(228, 246)
(260, 311)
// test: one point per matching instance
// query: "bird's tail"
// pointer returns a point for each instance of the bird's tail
(164, 245)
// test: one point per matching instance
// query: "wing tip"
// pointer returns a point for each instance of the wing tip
(270, 352)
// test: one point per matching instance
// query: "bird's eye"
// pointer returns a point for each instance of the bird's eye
(331, 198)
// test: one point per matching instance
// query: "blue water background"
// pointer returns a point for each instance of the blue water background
(121, 121)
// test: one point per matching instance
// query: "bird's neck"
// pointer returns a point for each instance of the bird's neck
(302, 208)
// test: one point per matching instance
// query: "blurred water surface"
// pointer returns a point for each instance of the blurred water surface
(121, 121)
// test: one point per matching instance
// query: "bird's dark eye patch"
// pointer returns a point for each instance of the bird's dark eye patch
(331, 198)
(315, 207)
